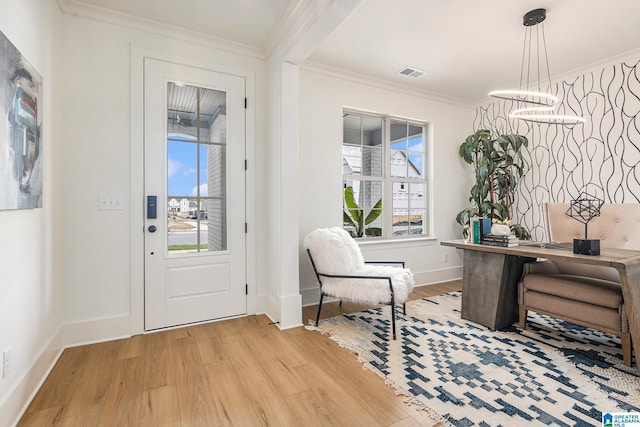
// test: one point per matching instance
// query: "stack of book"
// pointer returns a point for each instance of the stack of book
(478, 228)
(496, 240)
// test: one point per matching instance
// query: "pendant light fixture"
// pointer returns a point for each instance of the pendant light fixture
(536, 106)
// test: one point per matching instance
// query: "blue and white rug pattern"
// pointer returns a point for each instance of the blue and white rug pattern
(554, 373)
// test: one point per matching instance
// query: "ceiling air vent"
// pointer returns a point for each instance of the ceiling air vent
(411, 72)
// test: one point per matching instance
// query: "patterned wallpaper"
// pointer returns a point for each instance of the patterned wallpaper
(600, 157)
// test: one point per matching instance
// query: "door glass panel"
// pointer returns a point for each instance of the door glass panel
(181, 179)
(216, 202)
(203, 176)
(196, 169)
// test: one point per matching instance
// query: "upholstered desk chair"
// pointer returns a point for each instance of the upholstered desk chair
(586, 295)
(342, 272)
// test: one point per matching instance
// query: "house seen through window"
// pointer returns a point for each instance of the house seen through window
(385, 185)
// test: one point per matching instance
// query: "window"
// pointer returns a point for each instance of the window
(385, 185)
(196, 146)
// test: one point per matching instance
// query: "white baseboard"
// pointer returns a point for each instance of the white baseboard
(285, 311)
(107, 329)
(97, 330)
(437, 276)
(290, 313)
(20, 395)
(311, 296)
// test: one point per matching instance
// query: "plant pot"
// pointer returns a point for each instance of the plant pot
(465, 234)
(500, 229)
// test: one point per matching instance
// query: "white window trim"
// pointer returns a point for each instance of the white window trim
(387, 180)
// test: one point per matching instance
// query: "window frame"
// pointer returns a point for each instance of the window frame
(388, 181)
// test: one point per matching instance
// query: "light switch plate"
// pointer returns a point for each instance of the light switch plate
(109, 202)
(6, 362)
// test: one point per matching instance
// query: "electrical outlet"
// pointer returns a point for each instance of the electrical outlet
(6, 363)
(445, 257)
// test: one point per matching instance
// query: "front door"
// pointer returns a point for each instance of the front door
(194, 147)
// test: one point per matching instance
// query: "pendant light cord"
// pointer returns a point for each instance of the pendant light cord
(535, 106)
(546, 56)
(524, 52)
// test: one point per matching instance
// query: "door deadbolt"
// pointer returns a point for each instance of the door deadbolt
(152, 229)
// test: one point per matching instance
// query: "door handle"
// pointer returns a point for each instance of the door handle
(152, 229)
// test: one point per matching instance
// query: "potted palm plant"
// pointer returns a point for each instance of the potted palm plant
(497, 165)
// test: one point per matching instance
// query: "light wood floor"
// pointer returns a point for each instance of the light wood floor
(242, 372)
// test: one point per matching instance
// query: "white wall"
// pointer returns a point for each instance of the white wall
(95, 110)
(30, 303)
(100, 269)
(322, 99)
(71, 266)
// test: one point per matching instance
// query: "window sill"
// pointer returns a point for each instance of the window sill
(408, 242)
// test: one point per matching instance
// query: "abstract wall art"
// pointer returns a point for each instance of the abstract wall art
(20, 130)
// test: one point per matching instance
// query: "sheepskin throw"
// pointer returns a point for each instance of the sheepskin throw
(335, 252)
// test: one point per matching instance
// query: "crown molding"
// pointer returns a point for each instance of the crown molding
(383, 84)
(633, 55)
(290, 19)
(79, 9)
(305, 26)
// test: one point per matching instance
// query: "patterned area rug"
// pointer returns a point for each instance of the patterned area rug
(554, 373)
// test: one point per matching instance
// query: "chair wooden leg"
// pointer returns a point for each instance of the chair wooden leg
(523, 317)
(319, 308)
(625, 338)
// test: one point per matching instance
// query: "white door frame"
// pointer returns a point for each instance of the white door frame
(137, 173)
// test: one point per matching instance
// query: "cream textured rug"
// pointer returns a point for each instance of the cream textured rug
(464, 374)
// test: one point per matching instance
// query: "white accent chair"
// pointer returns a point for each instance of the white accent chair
(342, 272)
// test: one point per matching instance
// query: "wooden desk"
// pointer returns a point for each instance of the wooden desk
(490, 276)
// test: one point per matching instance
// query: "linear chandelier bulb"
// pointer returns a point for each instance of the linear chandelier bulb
(532, 110)
(540, 104)
(526, 96)
(545, 115)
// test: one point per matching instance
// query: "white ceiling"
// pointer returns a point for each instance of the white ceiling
(466, 47)
(244, 21)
